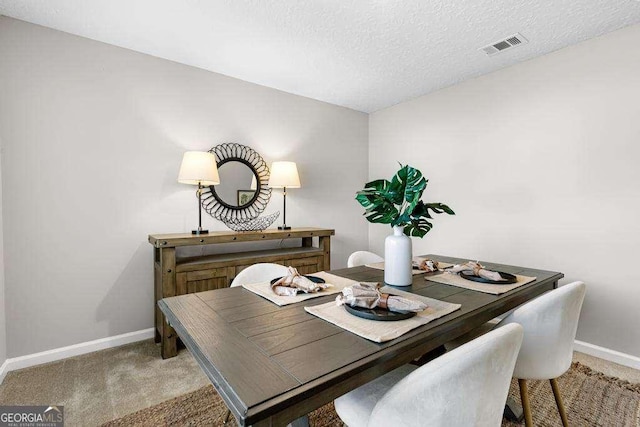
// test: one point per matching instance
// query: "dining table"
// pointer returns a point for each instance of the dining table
(272, 365)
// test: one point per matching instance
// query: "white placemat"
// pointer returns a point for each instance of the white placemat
(264, 289)
(455, 280)
(379, 331)
(380, 266)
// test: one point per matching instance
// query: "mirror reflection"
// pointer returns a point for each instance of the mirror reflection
(237, 183)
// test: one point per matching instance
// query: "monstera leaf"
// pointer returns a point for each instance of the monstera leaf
(409, 183)
(378, 201)
(397, 202)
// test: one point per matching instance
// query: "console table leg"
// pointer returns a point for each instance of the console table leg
(325, 245)
(168, 347)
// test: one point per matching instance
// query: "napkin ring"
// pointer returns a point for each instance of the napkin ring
(382, 302)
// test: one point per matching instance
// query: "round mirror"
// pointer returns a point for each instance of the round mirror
(238, 184)
(243, 193)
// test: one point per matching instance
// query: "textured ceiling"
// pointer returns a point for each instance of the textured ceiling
(361, 54)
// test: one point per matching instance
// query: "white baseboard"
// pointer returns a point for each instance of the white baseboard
(3, 371)
(21, 362)
(607, 354)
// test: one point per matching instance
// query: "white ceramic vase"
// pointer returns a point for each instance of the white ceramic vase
(397, 259)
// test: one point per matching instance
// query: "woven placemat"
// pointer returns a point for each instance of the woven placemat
(455, 280)
(377, 331)
(415, 271)
(264, 289)
(591, 399)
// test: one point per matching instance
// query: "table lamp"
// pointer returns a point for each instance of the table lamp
(199, 168)
(284, 175)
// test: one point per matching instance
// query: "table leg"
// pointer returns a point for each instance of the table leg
(300, 422)
(513, 411)
(428, 357)
(303, 421)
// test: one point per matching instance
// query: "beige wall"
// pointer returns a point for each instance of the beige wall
(538, 160)
(92, 140)
(3, 331)
(540, 163)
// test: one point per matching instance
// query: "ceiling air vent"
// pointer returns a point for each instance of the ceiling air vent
(502, 45)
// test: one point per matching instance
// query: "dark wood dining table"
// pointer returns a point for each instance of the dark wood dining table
(272, 365)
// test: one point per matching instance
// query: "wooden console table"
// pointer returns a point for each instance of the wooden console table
(184, 275)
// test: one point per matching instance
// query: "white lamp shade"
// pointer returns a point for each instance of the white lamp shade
(199, 167)
(284, 174)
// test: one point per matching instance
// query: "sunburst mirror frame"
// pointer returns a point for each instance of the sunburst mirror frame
(213, 204)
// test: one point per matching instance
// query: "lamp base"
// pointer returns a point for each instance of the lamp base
(284, 227)
(199, 231)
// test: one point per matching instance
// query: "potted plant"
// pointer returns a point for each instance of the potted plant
(398, 203)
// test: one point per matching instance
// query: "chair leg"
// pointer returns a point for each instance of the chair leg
(526, 406)
(556, 394)
(226, 418)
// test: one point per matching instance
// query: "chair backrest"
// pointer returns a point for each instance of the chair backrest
(363, 257)
(550, 323)
(259, 273)
(467, 386)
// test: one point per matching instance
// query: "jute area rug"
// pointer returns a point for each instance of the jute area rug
(591, 399)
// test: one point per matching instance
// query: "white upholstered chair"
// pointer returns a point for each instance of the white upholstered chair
(363, 257)
(550, 323)
(259, 273)
(465, 387)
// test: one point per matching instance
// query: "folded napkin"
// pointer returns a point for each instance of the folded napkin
(426, 264)
(476, 269)
(293, 282)
(368, 295)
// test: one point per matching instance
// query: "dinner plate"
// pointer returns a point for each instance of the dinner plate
(509, 278)
(314, 279)
(378, 313)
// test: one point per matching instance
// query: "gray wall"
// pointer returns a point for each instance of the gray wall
(540, 163)
(92, 139)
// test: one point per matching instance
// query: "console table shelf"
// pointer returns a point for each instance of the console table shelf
(175, 275)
